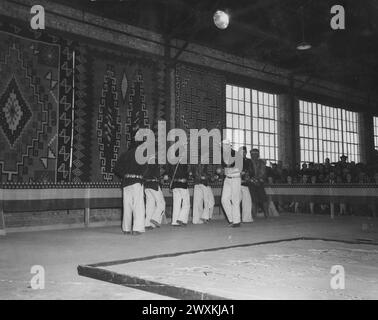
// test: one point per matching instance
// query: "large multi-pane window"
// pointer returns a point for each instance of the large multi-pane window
(327, 132)
(350, 135)
(376, 132)
(308, 131)
(251, 120)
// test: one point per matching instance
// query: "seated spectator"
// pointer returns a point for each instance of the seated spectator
(290, 206)
(321, 178)
(343, 206)
(341, 172)
(304, 180)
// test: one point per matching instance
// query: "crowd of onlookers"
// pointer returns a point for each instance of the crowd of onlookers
(327, 172)
(341, 172)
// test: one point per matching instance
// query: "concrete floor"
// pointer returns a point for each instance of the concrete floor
(60, 252)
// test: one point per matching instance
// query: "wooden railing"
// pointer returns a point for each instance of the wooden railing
(321, 193)
(25, 197)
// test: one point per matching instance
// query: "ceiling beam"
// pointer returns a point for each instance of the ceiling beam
(258, 5)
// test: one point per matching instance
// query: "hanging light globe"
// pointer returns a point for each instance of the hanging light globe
(221, 19)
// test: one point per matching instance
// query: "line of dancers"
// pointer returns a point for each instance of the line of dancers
(144, 204)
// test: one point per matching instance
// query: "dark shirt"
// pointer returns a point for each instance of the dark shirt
(227, 162)
(200, 175)
(246, 170)
(181, 173)
(259, 169)
(251, 169)
(127, 165)
(152, 176)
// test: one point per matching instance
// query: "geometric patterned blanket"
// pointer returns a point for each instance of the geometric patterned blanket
(68, 108)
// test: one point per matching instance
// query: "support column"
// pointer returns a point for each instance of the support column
(87, 209)
(169, 80)
(87, 213)
(288, 143)
(295, 129)
(172, 97)
(366, 137)
(2, 221)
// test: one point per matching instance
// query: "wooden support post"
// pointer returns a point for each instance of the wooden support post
(332, 209)
(87, 212)
(374, 207)
(2, 221)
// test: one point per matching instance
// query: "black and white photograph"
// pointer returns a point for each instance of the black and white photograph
(211, 151)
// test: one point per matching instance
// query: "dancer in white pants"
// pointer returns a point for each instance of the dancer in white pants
(201, 201)
(133, 209)
(211, 200)
(181, 206)
(181, 196)
(231, 196)
(155, 207)
(201, 204)
(246, 201)
(155, 203)
(231, 193)
(131, 174)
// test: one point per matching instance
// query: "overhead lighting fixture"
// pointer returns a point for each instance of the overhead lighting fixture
(221, 19)
(304, 45)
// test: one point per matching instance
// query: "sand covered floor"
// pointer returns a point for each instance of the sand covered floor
(287, 270)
